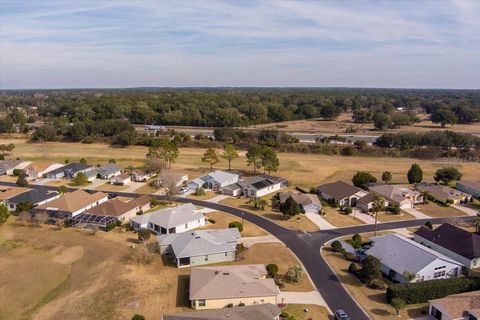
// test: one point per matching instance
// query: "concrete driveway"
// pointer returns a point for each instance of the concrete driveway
(417, 214)
(312, 297)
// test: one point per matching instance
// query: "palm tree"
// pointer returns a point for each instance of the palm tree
(378, 205)
(476, 223)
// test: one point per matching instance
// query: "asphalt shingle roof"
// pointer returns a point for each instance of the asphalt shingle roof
(339, 189)
(34, 196)
(266, 311)
(171, 217)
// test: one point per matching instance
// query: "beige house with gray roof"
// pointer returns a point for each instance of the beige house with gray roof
(397, 194)
(266, 311)
(224, 286)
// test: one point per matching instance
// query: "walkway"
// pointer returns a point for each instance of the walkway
(319, 221)
(469, 211)
(417, 214)
(250, 241)
(312, 297)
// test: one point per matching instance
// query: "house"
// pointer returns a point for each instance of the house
(463, 306)
(141, 175)
(178, 219)
(215, 180)
(91, 174)
(405, 260)
(309, 202)
(452, 241)
(122, 179)
(200, 247)
(122, 210)
(341, 193)
(7, 166)
(259, 186)
(108, 171)
(68, 171)
(397, 195)
(10, 192)
(265, 311)
(179, 177)
(470, 187)
(221, 286)
(35, 196)
(443, 193)
(71, 204)
(37, 170)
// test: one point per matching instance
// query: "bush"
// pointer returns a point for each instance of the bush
(272, 270)
(210, 220)
(349, 256)
(236, 224)
(110, 226)
(200, 192)
(18, 172)
(395, 209)
(347, 210)
(450, 201)
(295, 274)
(378, 284)
(421, 292)
(357, 241)
(353, 268)
(429, 225)
(337, 246)
(154, 202)
(138, 317)
(313, 190)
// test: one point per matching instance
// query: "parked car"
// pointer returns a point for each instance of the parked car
(341, 315)
(184, 189)
(112, 195)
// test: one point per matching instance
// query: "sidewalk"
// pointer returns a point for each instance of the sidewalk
(312, 297)
(319, 221)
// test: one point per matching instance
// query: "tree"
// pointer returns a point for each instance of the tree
(169, 181)
(83, 161)
(229, 153)
(164, 150)
(370, 270)
(210, 156)
(4, 214)
(386, 176)
(476, 223)
(22, 181)
(272, 270)
(25, 217)
(269, 160)
(397, 304)
(257, 203)
(143, 235)
(444, 117)
(362, 178)
(337, 246)
(381, 121)
(24, 206)
(378, 205)
(41, 218)
(295, 274)
(415, 174)
(138, 317)
(429, 225)
(236, 224)
(199, 192)
(447, 175)
(62, 189)
(112, 161)
(357, 241)
(80, 179)
(254, 157)
(290, 208)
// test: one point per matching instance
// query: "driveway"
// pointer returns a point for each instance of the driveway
(250, 241)
(468, 211)
(312, 297)
(417, 214)
(319, 221)
(218, 198)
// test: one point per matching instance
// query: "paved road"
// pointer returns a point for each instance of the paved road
(306, 246)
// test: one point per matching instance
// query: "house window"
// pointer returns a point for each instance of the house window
(442, 267)
(186, 225)
(206, 257)
(201, 303)
(226, 254)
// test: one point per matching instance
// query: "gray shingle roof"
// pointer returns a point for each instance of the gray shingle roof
(108, 169)
(402, 254)
(266, 311)
(202, 242)
(260, 182)
(34, 196)
(171, 217)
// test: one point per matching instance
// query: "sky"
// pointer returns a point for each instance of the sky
(278, 43)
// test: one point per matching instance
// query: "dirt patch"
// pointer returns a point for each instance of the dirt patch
(69, 255)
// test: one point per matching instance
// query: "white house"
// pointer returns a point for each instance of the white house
(262, 185)
(108, 171)
(178, 219)
(341, 193)
(7, 166)
(121, 179)
(215, 180)
(396, 194)
(405, 260)
(309, 202)
(36, 197)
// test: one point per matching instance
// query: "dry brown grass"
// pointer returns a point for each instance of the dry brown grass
(314, 312)
(333, 216)
(6, 178)
(437, 210)
(372, 300)
(206, 196)
(388, 216)
(111, 187)
(298, 222)
(223, 219)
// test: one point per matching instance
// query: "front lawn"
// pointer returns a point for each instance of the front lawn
(333, 216)
(388, 216)
(222, 220)
(438, 210)
(307, 311)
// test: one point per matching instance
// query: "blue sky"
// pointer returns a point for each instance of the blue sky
(75, 43)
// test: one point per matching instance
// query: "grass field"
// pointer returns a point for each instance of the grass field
(304, 170)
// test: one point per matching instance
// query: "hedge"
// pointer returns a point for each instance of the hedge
(421, 292)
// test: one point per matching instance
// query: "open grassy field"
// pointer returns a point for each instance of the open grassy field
(344, 121)
(305, 170)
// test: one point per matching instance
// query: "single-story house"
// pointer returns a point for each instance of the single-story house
(221, 286)
(309, 202)
(463, 306)
(7, 166)
(122, 179)
(215, 180)
(7, 192)
(341, 193)
(37, 170)
(443, 193)
(200, 247)
(122, 210)
(179, 177)
(178, 219)
(259, 186)
(91, 174)
(68, 171)
(398, 195)
(35, 196)
(405, 260)
(108, 171)
(139, 175)
(470, 187)
(265, 311)
(452, 241)
(71, 204)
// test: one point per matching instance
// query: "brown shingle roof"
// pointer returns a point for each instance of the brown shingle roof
(339, 189)
(9, 192)
(73, 201)
(117, 207)
(266, 311)
(455, 305)
(300, 198)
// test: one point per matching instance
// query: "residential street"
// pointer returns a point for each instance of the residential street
(306, 246)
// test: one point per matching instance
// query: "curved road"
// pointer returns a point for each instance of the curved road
(306, 246)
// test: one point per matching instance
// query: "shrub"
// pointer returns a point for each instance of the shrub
(200, 192)
(353, 268)
(236, 224)
(154, 202)
(377, 284)
(18, 172)
(429, 225)
(313, 190)
(295, 274)
(356, 241)
(110, 226)
(212, 221)
(272, 270)
(138, 317)
(370, 270)
(449, 201)
(337, 246)
(144, 234)
(421, 292)
(349, 256)
(347, 210)
(395, 209)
